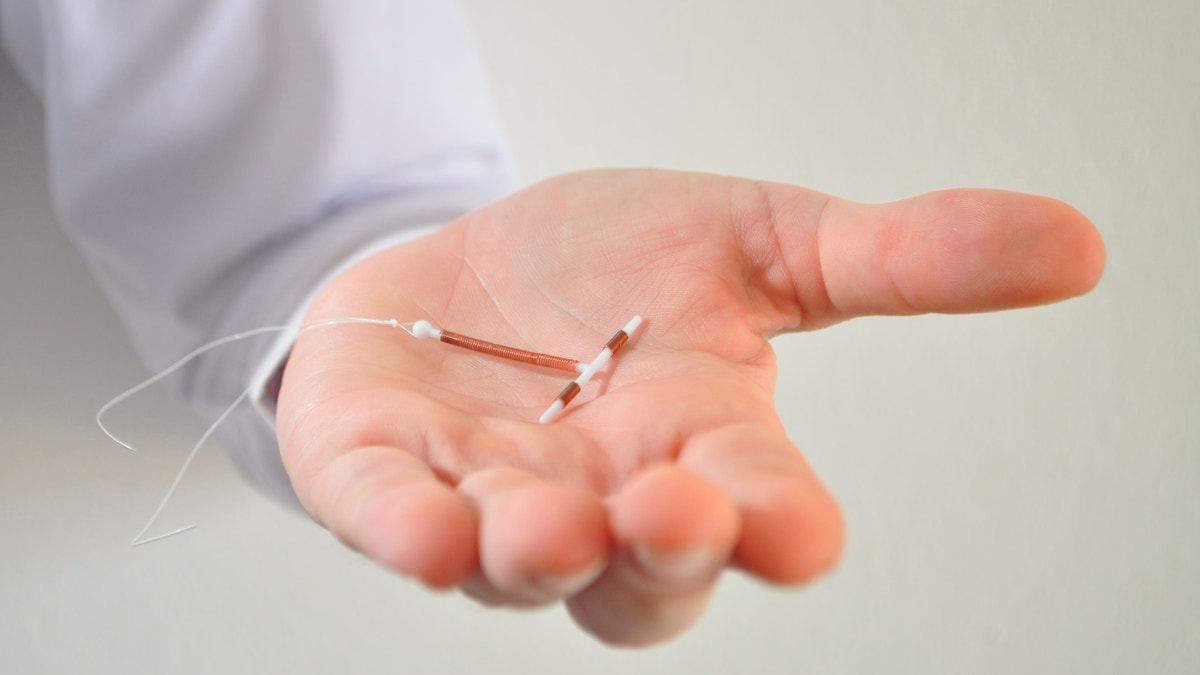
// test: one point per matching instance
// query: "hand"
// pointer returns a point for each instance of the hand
(429, 458)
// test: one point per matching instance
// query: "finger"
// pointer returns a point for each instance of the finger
(791, 528)
(674, 533)
(953, 251)
(389, 505)
(538, 541)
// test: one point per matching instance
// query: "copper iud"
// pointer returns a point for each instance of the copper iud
(420, 329)
(424, 329)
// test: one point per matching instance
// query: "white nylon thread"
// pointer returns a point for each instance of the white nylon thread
(138, 539)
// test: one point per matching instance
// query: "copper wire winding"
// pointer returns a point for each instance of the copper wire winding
(511, 353)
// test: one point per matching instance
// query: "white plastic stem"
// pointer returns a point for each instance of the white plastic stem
(551, 412)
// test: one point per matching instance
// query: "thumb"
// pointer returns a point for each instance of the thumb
(954, 251)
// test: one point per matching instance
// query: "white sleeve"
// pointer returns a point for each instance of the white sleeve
(215, 160)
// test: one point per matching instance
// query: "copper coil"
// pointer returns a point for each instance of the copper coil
(569, 392)
(617, 341)
(511, 353)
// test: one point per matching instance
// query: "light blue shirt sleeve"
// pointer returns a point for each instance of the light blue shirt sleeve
(215, 160)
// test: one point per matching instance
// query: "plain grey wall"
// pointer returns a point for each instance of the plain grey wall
(1020, 488)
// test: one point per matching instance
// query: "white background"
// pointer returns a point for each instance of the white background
(1020, 488)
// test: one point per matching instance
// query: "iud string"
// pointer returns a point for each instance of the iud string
(420, 330)
(138, 539)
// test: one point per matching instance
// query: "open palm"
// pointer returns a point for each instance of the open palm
(673, 463)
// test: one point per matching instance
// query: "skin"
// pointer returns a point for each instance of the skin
(673, 465)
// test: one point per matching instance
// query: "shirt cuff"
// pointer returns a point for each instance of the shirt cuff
(268, 377)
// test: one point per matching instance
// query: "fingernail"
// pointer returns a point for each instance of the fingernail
(565, 585)
(676, 566)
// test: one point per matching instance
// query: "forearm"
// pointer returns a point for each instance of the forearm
(211, 160)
